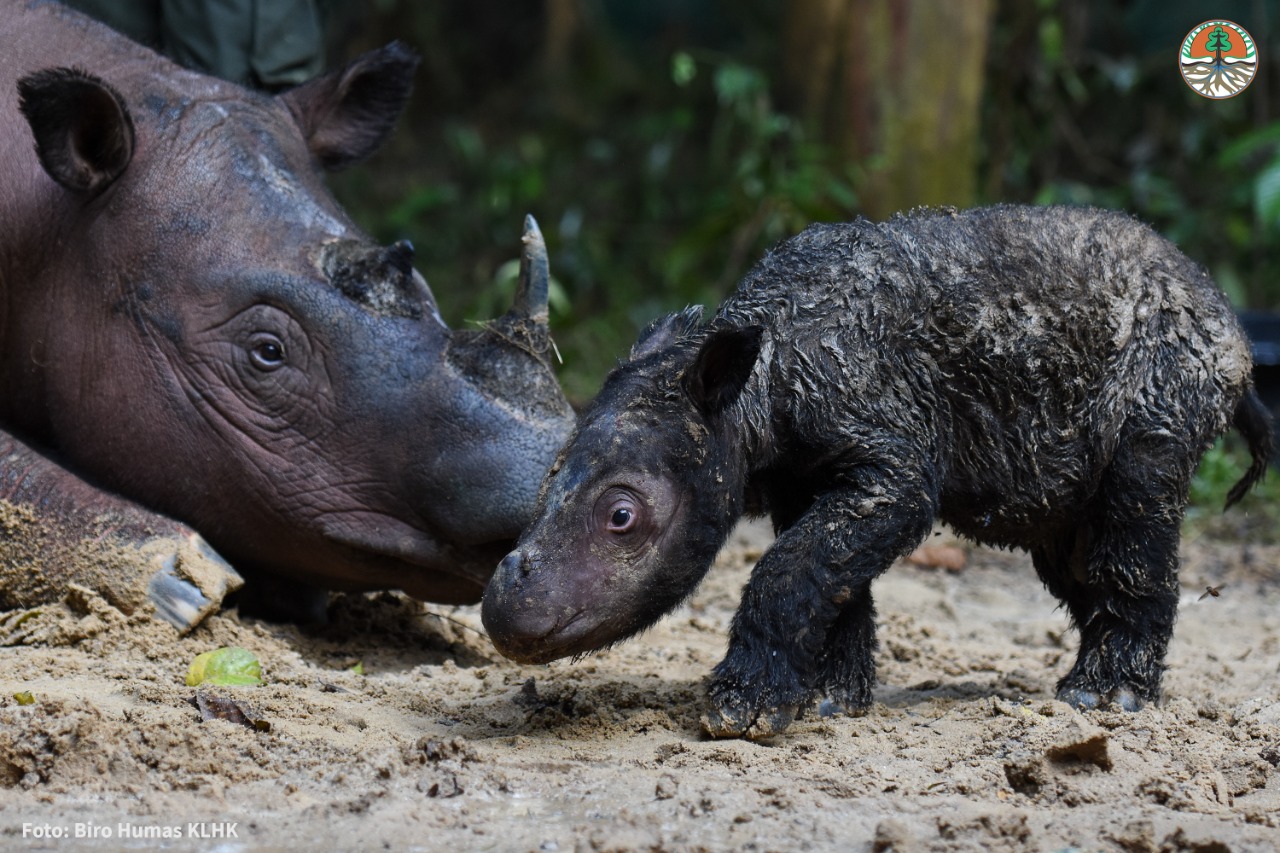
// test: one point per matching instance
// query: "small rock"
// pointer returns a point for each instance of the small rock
(666, 788)
(1081, 741)
(1026, 774)
(1179, 840)
(1138, 836)
(893, 836)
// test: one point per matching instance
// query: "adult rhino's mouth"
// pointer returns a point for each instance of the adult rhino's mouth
(382, 552)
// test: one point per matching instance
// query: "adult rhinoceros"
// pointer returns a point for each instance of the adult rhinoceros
(197, 345)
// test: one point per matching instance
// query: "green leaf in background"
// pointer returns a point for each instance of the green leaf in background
(683, 68)
(1266, 195)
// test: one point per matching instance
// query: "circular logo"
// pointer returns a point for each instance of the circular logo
(1219, 59)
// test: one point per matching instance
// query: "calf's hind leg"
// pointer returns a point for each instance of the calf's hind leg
(848, 664)
(1118, 575)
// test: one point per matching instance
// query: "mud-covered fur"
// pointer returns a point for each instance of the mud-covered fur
(1043, 378)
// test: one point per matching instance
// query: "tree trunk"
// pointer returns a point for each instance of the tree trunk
(562, 24)
(896, 87)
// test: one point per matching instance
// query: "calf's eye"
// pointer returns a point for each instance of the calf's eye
(619, 512)
(622, 517)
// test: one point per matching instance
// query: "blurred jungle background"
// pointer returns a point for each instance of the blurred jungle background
(663, 145)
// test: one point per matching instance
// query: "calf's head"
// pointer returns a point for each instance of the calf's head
(639, 501)
(223, 345)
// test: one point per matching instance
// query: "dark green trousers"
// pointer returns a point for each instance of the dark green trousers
(268, 44)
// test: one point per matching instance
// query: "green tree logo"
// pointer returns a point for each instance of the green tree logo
(1211, 63)
(1219, 41)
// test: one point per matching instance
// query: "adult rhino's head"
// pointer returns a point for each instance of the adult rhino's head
(220, 343)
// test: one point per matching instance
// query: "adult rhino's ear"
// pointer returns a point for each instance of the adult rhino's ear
(83, 130)
(346, 115)
(721, 368)
(665, 331)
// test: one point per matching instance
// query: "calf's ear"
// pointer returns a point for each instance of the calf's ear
(346, 115)
(83, 130)
(721, 368)
(665, 331)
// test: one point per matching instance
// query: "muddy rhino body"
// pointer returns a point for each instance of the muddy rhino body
(197, 344)
(1043, 378)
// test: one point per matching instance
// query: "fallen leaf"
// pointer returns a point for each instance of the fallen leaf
(949, 557)
(213, 707)
(230, 666)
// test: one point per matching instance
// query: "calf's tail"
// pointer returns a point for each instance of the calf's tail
(1253, 421)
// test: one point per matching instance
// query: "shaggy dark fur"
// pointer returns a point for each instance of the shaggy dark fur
(1043, 378)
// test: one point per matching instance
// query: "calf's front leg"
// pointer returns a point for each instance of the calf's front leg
(810, 589)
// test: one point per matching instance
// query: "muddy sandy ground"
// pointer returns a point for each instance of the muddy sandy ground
(441, 745)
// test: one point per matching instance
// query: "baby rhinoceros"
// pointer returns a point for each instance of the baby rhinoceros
(1044, 378)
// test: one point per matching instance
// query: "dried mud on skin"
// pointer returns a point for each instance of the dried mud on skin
(441, 744)
(101, 578)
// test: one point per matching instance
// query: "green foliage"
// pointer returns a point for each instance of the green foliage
(649, 211)
(660, 165)
(1060, 127)
(1256, 517)
(683, 68)
(1258, 152)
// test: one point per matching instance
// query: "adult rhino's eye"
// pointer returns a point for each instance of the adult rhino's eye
(266, 352)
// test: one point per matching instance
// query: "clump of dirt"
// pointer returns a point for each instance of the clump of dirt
(398, 725)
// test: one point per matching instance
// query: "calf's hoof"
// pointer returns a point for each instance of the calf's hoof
(1088, 700)
(189, 580)
(831, 707)
(728, 717)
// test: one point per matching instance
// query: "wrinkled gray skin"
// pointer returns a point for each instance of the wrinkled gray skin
(1042, 378)
(196, 343)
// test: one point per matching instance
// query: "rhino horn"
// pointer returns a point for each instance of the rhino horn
(381, 279)
(400, 257)
(535, 276)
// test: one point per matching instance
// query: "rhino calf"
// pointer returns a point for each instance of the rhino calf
(1042, 378)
